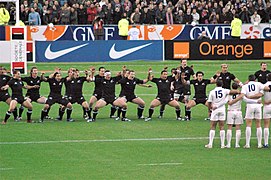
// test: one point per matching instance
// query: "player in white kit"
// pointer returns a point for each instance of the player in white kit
(217, 100)
(267, 112)
(253, 90)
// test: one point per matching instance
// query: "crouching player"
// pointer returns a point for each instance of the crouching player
(164, 95)
(108, 94)
(17, 86)
(55, 83)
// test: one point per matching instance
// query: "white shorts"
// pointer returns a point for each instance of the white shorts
(253, 111)
(235, 117)
(218, 115)
(266, 112)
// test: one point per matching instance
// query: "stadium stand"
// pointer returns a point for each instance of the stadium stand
(148, 12)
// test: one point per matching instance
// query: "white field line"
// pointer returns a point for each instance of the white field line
(6, 169)
(109, 140)
(104, 140)
(161, 164)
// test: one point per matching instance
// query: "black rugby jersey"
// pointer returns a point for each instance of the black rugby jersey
(163, 86)
(226, 78)
(4, 79)
(98, 84)
(16, 86)
(108, 86)
(55, 86)
(262, 76)
(76, 86)
(200, 87)
(32, 82)
(188, 72)
(128, 86)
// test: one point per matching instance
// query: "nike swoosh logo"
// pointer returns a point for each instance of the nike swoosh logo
(119, 54)
(53, 55)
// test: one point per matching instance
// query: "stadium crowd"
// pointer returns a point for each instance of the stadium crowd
(73, 12)
(172, 88)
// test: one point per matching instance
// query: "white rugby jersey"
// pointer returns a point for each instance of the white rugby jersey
(267, 95)
(252, 88)
(217, 96)
(236, 106)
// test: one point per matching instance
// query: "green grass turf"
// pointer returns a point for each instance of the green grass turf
(109, 149)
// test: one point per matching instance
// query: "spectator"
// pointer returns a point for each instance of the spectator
(225, 17)
(179, 18)
(34, 17)
(244, 15)
(152, 13)
(160, 14)
(204, 17)
(73, 16)
(255, 19)
(98, 28)
(268, 11)
(24, 13)
(123, 25)
(145, 17)
(65, 13)
(263, 14)
(127, 3)
(35, 4)
(92, 12)
(213, 19)
(108, 11)
(195, 16)
(4, 15)
(47, 17)
(128, 11)
(188, 18)
(236, 26)
(55, 15)
(117, 15)
(180, 5)
(169, 16)
(135, 16)
(82, 14)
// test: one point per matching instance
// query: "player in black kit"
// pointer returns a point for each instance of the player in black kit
(200, 96)
(226, 77)
(127, 93)
(164, 95)
(17, 86)
(108, 94)
(262, 74)
(4, 95)
(56, 82)
(187, 88)
(74, 84)
(33, 89)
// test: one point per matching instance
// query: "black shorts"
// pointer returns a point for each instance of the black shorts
(181, 98)
(4, 97)
(187, 89)
(129, 98)
(98, 96)
(165, 101)
(57, 99)
(19, 99)
(76, 99)
(109, 100)
(200, 100)
(33, 97)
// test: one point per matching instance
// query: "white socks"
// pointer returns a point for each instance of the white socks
(259, 136)
(211, 137)
(238, 137)
(229, 135)
(222, 138)
(266, 135)
(248, 135)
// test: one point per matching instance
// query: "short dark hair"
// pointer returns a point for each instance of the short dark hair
(263, 63)
(219, 83)
(199, 72)
(163, 71)
(234, 85)
(101, 68)
(251, 77)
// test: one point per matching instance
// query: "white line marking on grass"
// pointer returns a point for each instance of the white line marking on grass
(104, 140)
(6, 169)
(161, 164)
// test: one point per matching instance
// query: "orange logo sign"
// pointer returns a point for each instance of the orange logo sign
(181, 50)
(267, 49)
